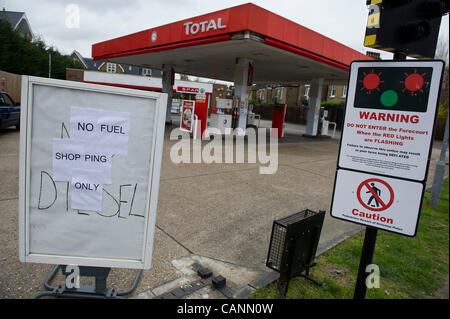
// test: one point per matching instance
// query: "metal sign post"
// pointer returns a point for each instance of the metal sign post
(370, 239)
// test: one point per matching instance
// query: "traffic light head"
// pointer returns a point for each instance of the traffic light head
(409, 26)
(395, 89)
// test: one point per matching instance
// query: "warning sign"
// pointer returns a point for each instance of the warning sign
(387, 203)
(389, 117)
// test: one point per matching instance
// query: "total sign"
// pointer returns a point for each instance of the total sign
(192, 27)
(386, 143)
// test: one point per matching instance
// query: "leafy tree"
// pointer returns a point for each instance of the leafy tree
(332, 104)
(21, 56)
(184, 77)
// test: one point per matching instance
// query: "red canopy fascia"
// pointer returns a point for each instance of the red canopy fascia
(276, 30)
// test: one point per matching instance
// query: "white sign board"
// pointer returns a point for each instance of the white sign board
(90, 159)
(386, 143)
(389, 117)
(381, 202)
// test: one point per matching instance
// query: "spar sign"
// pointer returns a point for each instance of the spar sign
(187, 115)
(386, 143)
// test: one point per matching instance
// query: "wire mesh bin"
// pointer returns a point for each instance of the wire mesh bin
(293, 244)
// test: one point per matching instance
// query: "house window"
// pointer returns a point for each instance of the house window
(344, 91)
(279, 94)
(261, 95)
(146, 72)
(111, 67)
(333, 91)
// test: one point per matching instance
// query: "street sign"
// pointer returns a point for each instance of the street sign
(389, 117)
(386, 143)
(381, 202)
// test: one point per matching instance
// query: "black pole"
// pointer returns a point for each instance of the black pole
(366, 259)
(370, 238)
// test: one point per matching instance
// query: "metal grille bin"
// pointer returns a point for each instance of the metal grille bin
(293, 246)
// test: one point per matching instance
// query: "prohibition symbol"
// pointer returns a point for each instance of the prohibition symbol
(378, 199)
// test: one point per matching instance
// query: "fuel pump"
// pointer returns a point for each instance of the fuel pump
(323, 123)
(222, 118)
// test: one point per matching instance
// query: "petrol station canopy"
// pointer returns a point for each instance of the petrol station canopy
(209, 45)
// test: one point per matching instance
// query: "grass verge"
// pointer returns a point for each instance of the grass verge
(409, 267)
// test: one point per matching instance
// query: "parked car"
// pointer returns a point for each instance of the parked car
(9, 111)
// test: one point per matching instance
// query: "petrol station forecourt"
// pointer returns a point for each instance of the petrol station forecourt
(246, 45)
(221, 215)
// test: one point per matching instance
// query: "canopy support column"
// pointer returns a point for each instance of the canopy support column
(167, 87)
(241, 90)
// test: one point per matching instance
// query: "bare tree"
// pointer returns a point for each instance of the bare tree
(442, 53)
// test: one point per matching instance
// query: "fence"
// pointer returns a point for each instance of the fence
(11, 83)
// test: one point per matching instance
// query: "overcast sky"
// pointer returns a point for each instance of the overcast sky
(343, 21)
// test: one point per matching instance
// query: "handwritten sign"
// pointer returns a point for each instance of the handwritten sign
(90, 161)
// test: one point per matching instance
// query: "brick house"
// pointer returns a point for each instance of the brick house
(18, 21)
(105, 66)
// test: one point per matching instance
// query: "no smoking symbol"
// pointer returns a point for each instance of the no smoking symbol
(379, 194)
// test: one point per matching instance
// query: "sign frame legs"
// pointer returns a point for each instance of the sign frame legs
(98, 291)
